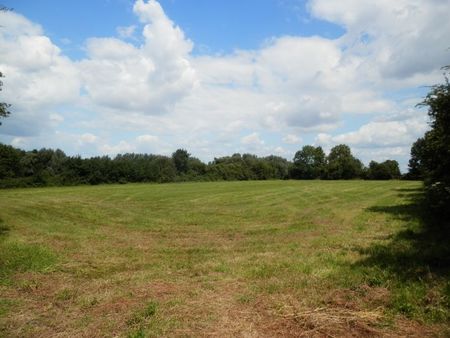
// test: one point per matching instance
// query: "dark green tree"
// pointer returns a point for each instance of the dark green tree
(10, 158)
(309, 163)
(415, 166)
(342, 164)
(393, 167)
(165, 169)
(196, 167)
(386, 170)
(181, 160)
(280, 166)
(433, 154)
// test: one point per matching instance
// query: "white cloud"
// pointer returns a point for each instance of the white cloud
(323, 139)
(252, 139)
(120, 148)
(384, 134)
(18, 25)
(19, 142)
(381, 132)
(281, 151)
(148, 79)
(292, 139)
(88, 138)
(34, 68)
(301, 82)
(147, 138)
(402, 40)
(161, 32)
(381, 139)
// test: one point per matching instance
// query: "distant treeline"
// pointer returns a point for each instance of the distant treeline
(47, 167)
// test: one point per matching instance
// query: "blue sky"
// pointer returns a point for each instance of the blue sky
(219, 77)
(215, 26)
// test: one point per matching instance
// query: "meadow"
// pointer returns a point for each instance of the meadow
(253, 259)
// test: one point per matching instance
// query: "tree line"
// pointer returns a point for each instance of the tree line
(48, 167)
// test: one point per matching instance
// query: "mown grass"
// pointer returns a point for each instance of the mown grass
(274, 258)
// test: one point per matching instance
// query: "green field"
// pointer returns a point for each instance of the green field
(267, 258)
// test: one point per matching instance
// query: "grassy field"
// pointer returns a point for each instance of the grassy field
(275, 258)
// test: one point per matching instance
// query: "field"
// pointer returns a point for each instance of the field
(254, 259)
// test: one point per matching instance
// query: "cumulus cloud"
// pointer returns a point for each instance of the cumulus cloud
(399, 39)
(381, 139)
(147, 79)
(381, 134)
(301, 82)
(33, 67)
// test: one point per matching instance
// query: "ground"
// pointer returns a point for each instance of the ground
(249, 259)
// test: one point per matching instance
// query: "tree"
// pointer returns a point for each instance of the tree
(386, 170)
(415, 166)
(10, 161)
(393, 168)
(280, 166)
(342, 164)
(166, 169)
(309, 163)
(4, 112)
(181, 160)
(432, 152)
(196, 167)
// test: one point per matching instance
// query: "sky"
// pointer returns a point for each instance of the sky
(221, 77)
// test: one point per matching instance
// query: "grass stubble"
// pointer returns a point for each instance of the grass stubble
(253, 259)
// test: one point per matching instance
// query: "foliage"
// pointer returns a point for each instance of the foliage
(181, 160)
(430, 155)
(247, 167)
(415, 166)
(48, 167)
(10, 165)
(342, 164)
(309, 163)
(383, 171)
